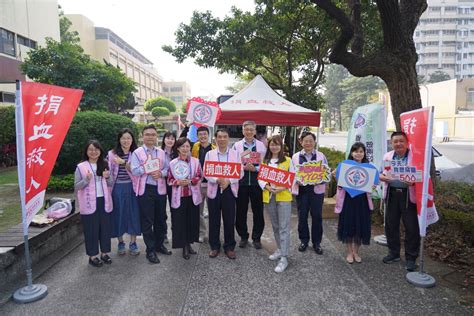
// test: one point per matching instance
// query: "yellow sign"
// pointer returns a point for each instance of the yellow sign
(313, 172)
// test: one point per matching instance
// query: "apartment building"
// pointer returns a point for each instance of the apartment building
(444, 39)
(103, 44)
(177, 91)
(23, 26)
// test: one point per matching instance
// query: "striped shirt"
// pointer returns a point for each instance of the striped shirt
(122, 176)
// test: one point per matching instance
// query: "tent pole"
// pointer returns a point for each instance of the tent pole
(317, 143)
(294, 140)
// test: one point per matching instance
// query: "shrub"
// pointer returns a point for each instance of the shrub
(85, 126)
(7, 118)
(334, 157)
(159, 111)
(61, 183)
(160, 102)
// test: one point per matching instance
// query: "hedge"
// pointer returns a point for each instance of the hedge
(87, 125)
(7, 119)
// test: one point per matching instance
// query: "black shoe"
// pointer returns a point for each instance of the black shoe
(191, 250)
(410, 265)
(303, 247)
(186, 253)
(257, 244)
(318, 250)
(164, 250)
(106, 259)
(391, 258)
(152, 258)
(243, 243)
(95, 262)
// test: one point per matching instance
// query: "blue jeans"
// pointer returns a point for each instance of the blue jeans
(310, 202)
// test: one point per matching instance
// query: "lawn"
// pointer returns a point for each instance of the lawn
(9, 175)
(10, 215)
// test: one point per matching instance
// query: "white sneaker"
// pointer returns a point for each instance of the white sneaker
(275, 256)
(282, 264)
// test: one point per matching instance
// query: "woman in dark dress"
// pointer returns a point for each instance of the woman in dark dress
(354, 227)
(185, 176)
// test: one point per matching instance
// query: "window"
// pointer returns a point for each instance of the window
(470, 95)
(7, 97)
(176, 89)
(165, 89)
(435, 9)
(177, 100)
(7, 42)
(25, 41)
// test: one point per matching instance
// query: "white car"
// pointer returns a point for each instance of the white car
(442, 162)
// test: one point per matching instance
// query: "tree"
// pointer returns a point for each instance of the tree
(159, 111)
(65, 34)
(160, 102)
(438, 76)
(334, 94)
(393, 59)
(106, 87)
(183, 107)
(286, 41)
(357, 92)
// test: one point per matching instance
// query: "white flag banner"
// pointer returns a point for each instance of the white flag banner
(202, 113)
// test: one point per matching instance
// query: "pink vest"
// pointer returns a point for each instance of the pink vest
(341, 194)
(319, 188)
(88, 195)
(239, 147)
(411, 188)
(139, 187)
(213, 187)
(114, 168)
(195, 189)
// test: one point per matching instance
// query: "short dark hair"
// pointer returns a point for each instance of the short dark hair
(221, 130)
(203, 129)
(304, 134)
(181, 141)
(399, 133)
(149, 126)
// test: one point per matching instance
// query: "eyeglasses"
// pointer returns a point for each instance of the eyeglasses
(149, 135)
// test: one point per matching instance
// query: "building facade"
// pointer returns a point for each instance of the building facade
(24, 25)
(444, 39)
(453, 102)
(102, 44)
(177, 91)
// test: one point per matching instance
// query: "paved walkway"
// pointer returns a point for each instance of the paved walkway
(312, 284)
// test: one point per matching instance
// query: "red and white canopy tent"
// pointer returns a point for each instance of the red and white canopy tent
(260, 103)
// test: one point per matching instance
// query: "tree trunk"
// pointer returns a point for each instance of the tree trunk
(404, 91)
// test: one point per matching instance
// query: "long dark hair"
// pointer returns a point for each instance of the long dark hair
(101, 162)
(355, 147)
(118, 148)
(281, 155)
(174, 151)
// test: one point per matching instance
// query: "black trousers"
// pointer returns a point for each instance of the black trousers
(185, 223)
(222, 205)
(152, 217)
(97, 229)
(254, 193)
(309, 202)
(399, 206)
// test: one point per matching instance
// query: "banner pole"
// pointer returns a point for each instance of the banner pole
(420, 278)
(31, 292)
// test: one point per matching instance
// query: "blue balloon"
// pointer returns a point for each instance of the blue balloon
(192, 133)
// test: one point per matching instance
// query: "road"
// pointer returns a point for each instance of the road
(461, 152)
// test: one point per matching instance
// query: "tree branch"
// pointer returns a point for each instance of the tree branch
(411, 10)
(357, 46)
(391, 24)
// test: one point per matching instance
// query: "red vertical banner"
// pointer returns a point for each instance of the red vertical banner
(43, 116)
(417, 125)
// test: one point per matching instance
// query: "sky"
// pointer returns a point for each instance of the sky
(149, 24)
